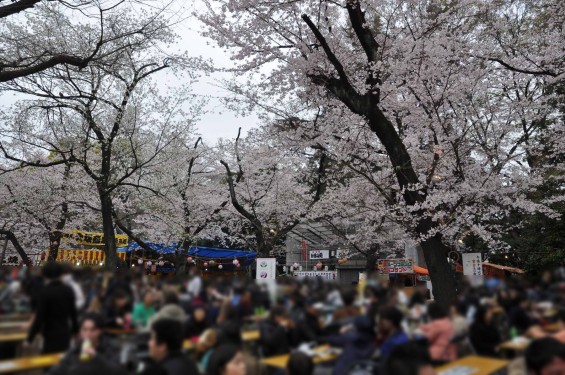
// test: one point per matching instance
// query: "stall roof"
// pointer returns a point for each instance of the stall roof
(421, 270)
(504, 268)
(424, 271)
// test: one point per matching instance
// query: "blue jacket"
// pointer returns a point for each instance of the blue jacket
(357, 346)
(398, 338)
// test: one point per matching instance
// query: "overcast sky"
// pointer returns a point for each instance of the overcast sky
(218, 122)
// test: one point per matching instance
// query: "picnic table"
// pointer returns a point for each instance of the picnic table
(473, 365)
(13, 336)
(519, 344)
(246, 336)
(29, 363)
(321, 354)
(16, 324)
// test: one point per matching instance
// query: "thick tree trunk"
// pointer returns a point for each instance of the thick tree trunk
(441, 274)
(54, 243)
(106, 206)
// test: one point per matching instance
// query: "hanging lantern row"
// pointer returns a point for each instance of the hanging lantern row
(213, 263)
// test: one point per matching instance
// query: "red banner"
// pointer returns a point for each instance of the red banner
(304, 255)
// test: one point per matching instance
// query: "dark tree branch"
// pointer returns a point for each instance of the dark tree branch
(16, 7)
(13, 239)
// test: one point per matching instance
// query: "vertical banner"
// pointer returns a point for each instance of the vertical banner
(266, 269)
(472, 264)
(304, 257)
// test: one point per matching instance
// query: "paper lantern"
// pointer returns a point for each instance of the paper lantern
(235, 262)
(189, 259)
(220, 267)
(149, 263)
(319, 265)
(161, 263)
(140, 261)
(295, 265)
(212, 263)
(238, 265)
(205, 264)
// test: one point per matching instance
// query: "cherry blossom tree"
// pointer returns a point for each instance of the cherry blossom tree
(271, 187)
(430, 102)
(37, 35)
(40, 203)
(105, 118)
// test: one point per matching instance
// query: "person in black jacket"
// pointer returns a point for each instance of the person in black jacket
(165, 349)
(278, 333)
(56, 314)
(103, 349)
(116, 313)
(484, 334)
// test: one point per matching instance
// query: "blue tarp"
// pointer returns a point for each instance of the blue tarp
(246, 257)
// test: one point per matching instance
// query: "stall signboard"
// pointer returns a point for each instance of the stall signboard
(85, 257)
(395, 265)
(319, 254)
(472, 264)
(266, 268)
(326, 275)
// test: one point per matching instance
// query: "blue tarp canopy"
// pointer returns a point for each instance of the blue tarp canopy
(247, 257)
(158, 247)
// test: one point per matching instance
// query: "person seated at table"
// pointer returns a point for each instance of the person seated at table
(520, 314)
(390, 330)
(116, 314)
(307, 319)
(348, 310)
(143, 311)
(417, 306)
(227, 360)
(197, 322)
(408, 359)
(92, 344)
(299, 364)
(165, 350)
(538, 332)
(170, 309)
(278, 333)
(458, 314)
(357, 341)
(204, 348)
(439, 333)
(484, 334)
(545, 357)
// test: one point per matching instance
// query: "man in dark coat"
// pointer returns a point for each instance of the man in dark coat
(165, 350)
(56, 314)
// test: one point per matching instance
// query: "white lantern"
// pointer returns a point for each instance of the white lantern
(235, 262)
(161, 263)
(220, 267)
(189, 259)
(140, 261)
(149, 263)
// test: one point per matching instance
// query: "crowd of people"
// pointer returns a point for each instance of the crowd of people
(377, 327)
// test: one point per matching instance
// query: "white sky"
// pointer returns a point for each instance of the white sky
(218, 122)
